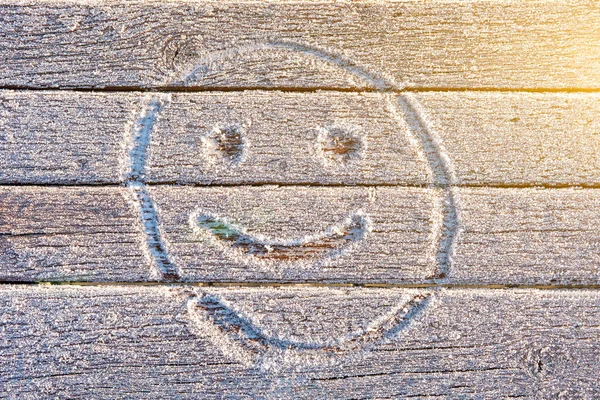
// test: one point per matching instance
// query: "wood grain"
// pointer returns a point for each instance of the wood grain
(72, 234)
(81, 342)
(513, 139)
(500, 44)
(401, 231)
(301, 234)
(510, 235)
(62, 137)
(501, 139)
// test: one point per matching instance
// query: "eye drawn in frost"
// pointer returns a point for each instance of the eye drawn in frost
(340, 144)
(226, 144)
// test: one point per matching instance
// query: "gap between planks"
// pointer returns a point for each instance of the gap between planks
(291, 89)
(309, 284)
(556, 186)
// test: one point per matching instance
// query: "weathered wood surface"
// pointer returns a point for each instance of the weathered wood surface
(317, 234)
(512, 235)
(76, 234)
(394, 168)
(48, 137)
(440, 44)
(291, 233)
(254, 137)
(156, 342)
(512, 139)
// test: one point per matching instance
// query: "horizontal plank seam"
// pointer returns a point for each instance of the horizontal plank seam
(307, 284)
(287, 89)
(304, 184)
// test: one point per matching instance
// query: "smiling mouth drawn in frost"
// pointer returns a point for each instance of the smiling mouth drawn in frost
(326, 244)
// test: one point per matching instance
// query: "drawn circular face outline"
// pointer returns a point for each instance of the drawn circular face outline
(227, 326)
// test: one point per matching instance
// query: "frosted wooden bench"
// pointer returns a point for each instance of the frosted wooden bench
(299, 200)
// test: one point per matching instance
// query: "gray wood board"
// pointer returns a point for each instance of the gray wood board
(517, 138)
(296, 233)
(70, 137)
(280, 137)
(511, 236)
(506, 44)
(156, 342)
(70, 233)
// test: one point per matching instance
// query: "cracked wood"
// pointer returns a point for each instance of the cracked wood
(438, 44)
(515, 236)
(502, 139)
(73, 341)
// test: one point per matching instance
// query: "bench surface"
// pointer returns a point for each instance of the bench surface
(300, 199)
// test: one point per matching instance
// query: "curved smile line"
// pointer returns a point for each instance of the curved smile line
(325, 244)
(210, 309)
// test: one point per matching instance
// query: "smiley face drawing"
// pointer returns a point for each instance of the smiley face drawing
(288, 186)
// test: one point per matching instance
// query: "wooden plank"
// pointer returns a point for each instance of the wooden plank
(504, 139)
(301, 233)
(501, 44)
(512, 235)
(298, 234)
(156, 342)
(224, 234)
(517, 138)
(71, 234)
(245, 137)
(56, 137)
(264, 137)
